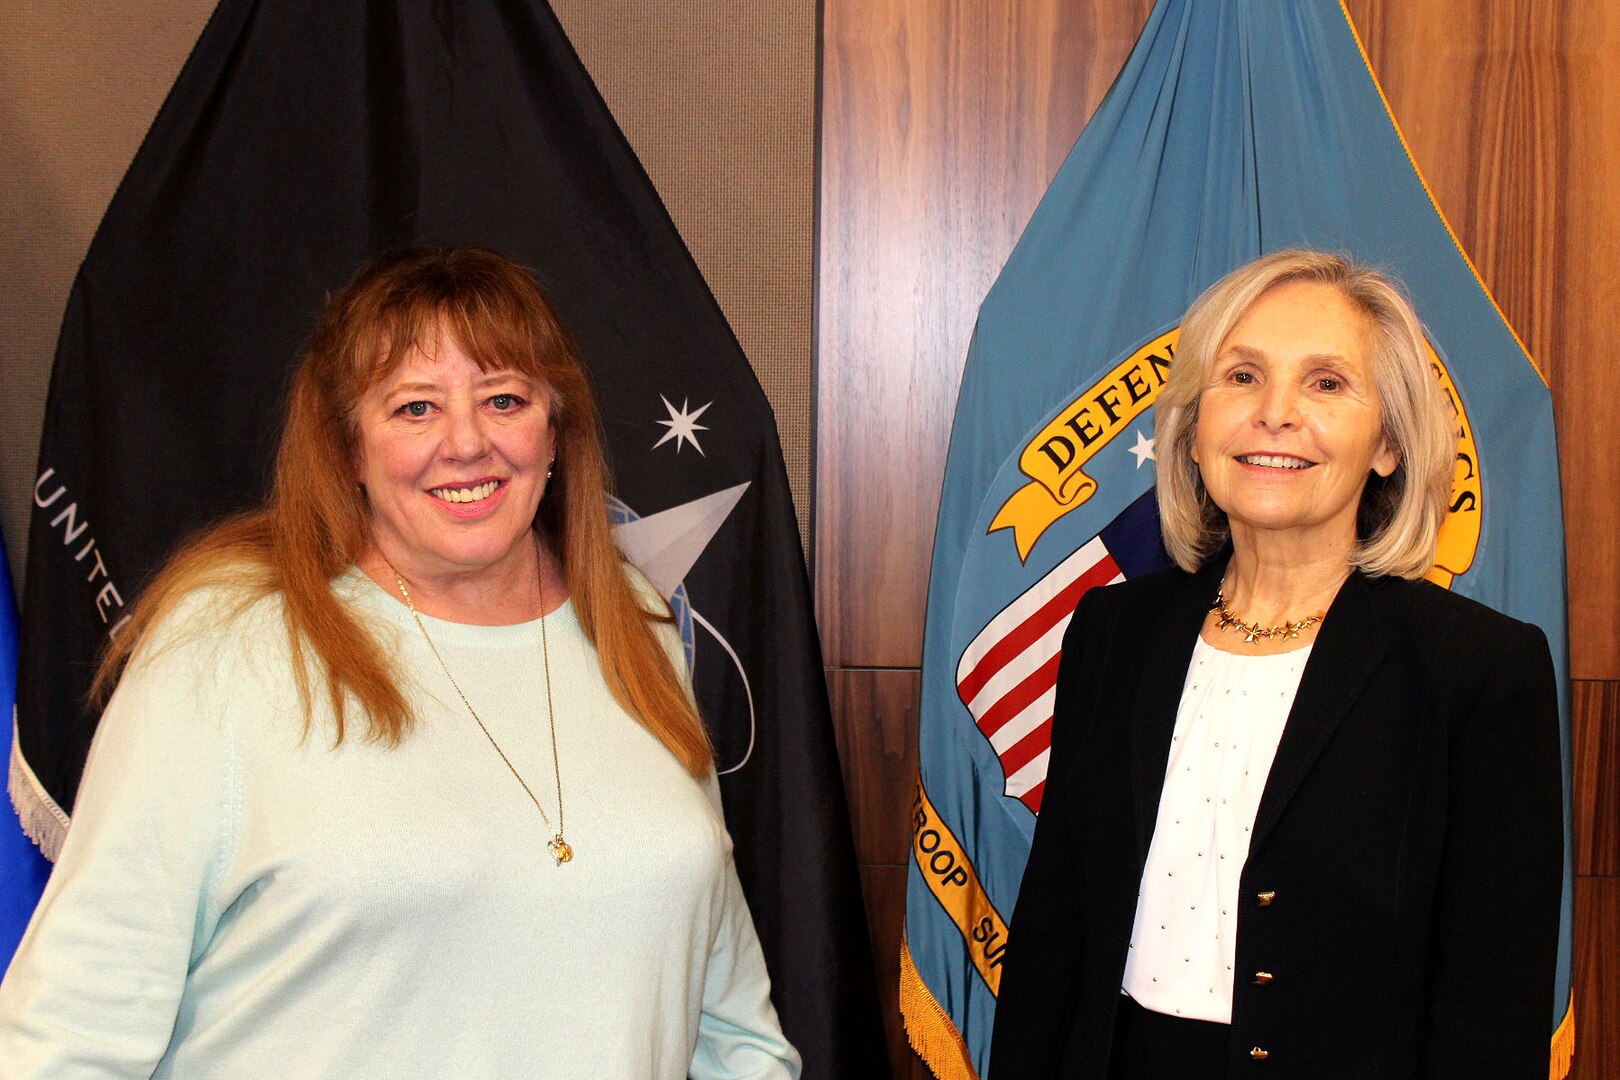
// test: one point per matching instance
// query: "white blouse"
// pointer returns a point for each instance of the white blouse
(1232, 712)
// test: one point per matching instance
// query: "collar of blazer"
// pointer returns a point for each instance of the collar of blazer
(1347, 651)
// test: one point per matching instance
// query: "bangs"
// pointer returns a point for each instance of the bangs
(497, 330)
(488, 307)
(498, 337)
(492, 346)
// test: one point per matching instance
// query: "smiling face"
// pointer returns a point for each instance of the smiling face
(453, 460)
(1290, 423)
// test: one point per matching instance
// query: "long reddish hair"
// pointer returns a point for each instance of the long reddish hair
(316, 523)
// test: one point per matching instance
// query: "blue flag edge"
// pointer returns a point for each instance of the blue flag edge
(23, 867)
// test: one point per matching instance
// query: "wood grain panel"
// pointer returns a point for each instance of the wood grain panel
(875, 717)
(1595, 737)
(941, 126)
(1476, 89)
(1586, 378)
(1597, 979)
(1512, 110)
(885, 889)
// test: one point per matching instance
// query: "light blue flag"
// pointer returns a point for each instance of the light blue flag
(1237, 128)
(23, 869)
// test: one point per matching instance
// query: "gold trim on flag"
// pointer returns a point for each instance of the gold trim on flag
(928, 1025)
(1563, 1042)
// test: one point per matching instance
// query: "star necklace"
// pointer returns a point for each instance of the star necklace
(560, 849)
(1254, 633)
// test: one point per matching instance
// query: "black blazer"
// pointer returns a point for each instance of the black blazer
(1403, 878)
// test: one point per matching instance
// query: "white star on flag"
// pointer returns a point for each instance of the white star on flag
(1143, 450)
(682, 424)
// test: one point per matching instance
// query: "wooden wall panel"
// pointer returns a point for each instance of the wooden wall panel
(875, 718)
(885, 888)
(942, 124)
(1597, 979)
(1586, 379)
(1513, 113)
(1476, 90)
(1595, 732)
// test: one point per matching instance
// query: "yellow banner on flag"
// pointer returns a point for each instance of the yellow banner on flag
(1054, 459)
(952, 880)
(1459, 533)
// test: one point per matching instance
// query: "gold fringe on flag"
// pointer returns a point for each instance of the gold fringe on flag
(929, 1028)
(1563, 1043)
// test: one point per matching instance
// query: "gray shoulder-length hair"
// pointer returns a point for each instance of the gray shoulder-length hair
(1399, 519)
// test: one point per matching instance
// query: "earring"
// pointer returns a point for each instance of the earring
(549, 467)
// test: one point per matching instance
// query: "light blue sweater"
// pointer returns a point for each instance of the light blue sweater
(235, 900)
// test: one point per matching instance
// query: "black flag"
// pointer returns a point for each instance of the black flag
(299, 140)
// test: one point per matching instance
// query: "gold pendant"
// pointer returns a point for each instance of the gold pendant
(561, 850)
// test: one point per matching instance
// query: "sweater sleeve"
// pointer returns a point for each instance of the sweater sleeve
(739, 1035)
(97, 980)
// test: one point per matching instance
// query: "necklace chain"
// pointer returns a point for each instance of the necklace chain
(560, 849)
(1254, 633)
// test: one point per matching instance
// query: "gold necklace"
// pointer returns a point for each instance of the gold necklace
(561, 849)
(1254, 633)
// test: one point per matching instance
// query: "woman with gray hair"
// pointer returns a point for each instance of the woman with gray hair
(1302, 814)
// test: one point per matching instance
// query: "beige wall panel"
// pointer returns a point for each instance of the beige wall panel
(78, 89)
(718, 100)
